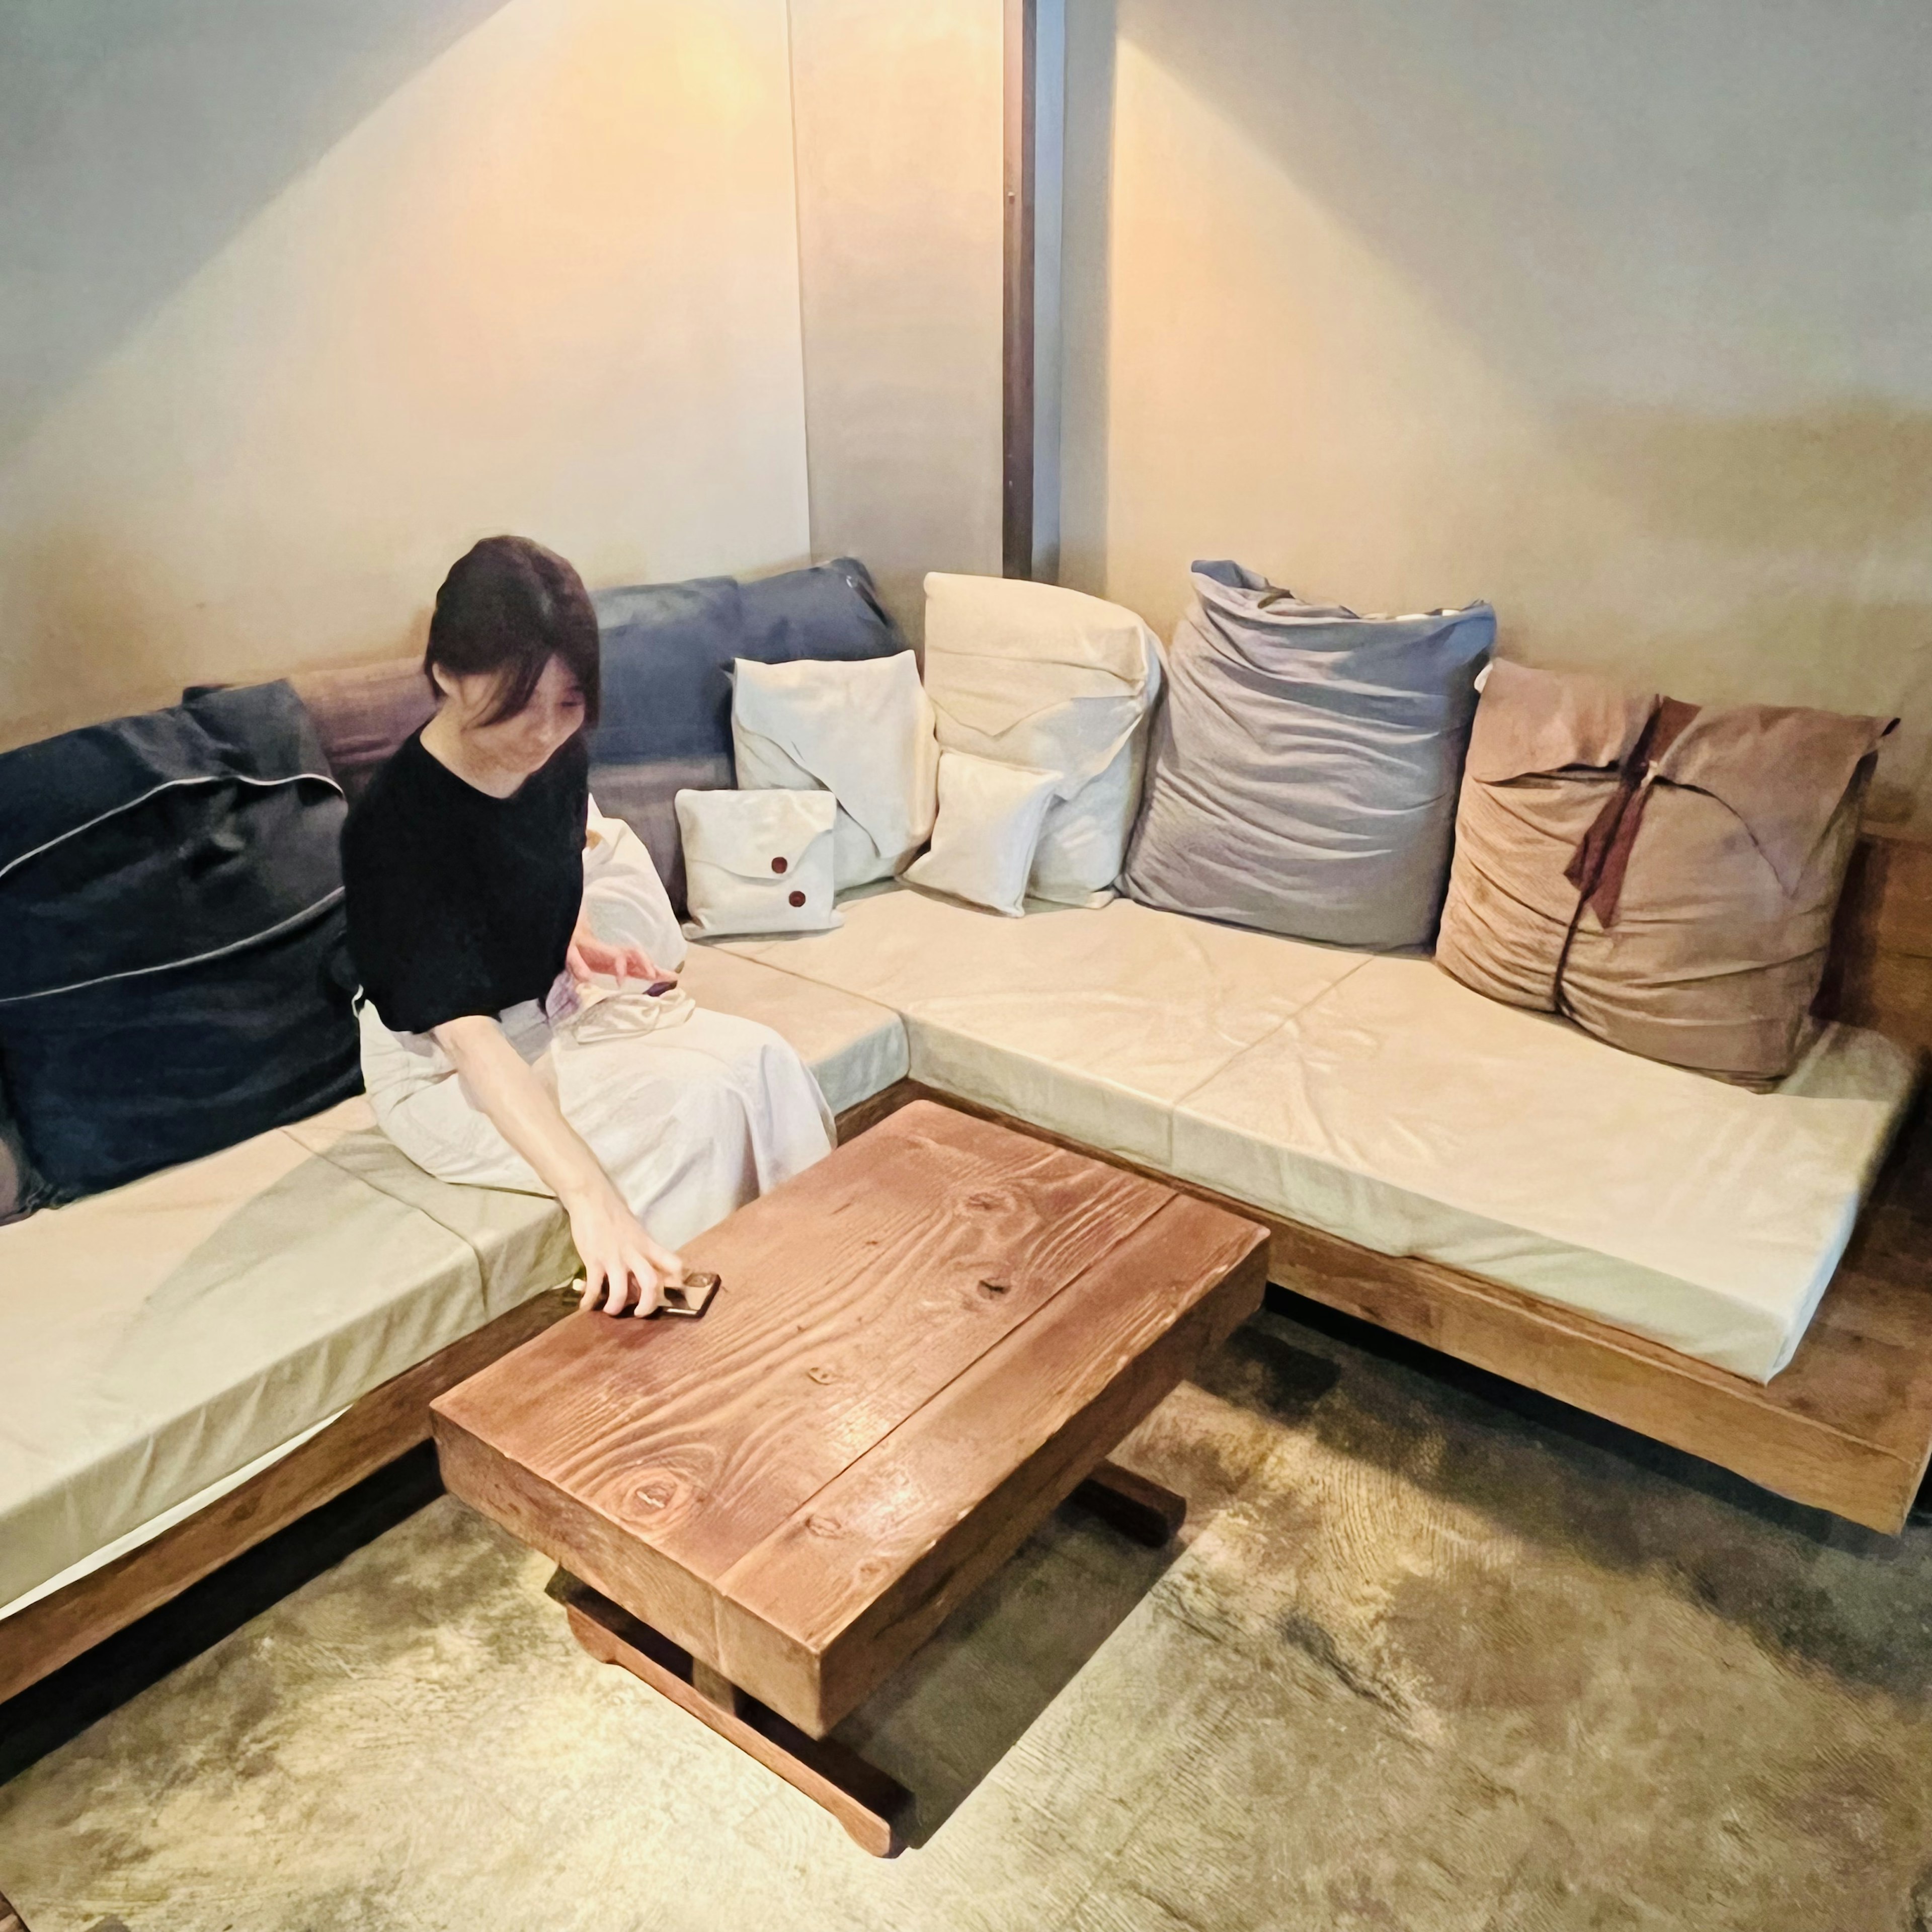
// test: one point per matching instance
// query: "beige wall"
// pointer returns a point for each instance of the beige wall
(532, 267)
(898, 117)
(1616, 316)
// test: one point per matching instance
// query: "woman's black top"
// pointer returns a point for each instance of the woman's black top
(457, 902)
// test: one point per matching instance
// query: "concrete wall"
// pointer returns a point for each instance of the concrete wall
(1614, 315)
(897, 112)
(298, 301)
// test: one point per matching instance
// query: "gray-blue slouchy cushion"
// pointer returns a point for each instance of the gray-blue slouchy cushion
(1306, 763)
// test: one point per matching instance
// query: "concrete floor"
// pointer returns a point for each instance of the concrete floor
(1426, 1661)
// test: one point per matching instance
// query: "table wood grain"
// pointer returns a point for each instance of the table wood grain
(922, 1344)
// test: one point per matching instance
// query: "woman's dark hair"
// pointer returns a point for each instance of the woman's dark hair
(506, 608)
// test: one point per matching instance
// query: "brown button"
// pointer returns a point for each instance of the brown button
(795, 898)
(779, 865)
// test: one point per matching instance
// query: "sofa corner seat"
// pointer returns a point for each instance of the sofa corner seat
(1375, 1098)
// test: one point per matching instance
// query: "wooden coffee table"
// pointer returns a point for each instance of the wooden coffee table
(922, 1344)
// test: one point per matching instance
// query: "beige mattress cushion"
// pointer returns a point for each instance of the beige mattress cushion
(165, 1333)
(163, 1336)
(1405, 1112)
(1091, 1022)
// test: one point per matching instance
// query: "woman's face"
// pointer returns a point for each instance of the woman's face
(525, 742)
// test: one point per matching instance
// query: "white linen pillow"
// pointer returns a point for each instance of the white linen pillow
(758, 861)
(861, 729)
(988, 828)
(1035, 675)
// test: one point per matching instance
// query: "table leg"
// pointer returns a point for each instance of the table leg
(1138, 1508)
(872, 1807)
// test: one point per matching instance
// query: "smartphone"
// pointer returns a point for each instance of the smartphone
(691, 1296)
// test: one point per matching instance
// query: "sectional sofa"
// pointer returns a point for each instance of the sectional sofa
(198, 1358)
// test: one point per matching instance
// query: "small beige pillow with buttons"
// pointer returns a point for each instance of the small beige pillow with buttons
(758, 861)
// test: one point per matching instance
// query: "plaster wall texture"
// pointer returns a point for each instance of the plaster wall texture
(300, 302)
(901, 244)
(1613, 316)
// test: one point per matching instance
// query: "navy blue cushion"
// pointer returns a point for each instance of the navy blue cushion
(173, 977)
(668, 648)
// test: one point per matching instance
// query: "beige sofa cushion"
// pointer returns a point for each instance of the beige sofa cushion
(165, 1333)
(1406, 1113)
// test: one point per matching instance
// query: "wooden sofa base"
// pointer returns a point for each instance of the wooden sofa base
(388, 1422)
(1847, 1427)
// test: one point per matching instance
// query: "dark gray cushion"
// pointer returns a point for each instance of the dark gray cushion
(172, 976)
(1305, 762)
(668, 650)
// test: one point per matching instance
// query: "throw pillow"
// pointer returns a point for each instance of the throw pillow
(991, 816)
(624, 899)
(175, 979)
(1662, 875)
(861, 730)
(1305, 765)
(758, 861)
(1049, 679)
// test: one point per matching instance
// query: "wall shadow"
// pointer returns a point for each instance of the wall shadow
(137, 138)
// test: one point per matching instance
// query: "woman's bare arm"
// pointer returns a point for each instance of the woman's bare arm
(612, 1244)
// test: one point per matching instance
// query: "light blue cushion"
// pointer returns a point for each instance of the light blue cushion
(1306, 763)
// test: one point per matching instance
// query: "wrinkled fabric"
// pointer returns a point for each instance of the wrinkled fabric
(625, 899)
(689, 1121)
(1048, 679)
(1733, 829)
(990, 816)
(1305, 765)
(862, 731)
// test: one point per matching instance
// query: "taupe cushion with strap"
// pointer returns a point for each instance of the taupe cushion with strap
(1707, 949)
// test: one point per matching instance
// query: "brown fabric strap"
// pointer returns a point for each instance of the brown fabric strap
(1598, 866)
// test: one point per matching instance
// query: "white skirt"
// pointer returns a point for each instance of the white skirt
(690, 1121)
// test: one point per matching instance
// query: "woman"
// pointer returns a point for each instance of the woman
(492, 1049)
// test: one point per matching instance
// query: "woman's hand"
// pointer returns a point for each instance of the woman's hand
(622, 1266)
(588, 955)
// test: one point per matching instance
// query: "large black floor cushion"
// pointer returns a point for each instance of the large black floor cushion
(173, 977)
